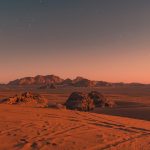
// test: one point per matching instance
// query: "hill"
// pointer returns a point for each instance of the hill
(37, 80)
(77, 82)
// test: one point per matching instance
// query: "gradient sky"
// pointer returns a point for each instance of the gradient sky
(97, 39)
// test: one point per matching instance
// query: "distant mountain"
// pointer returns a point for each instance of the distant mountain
(37, 80)
(49, 79)
(103, 83)
(83, 82)
(67, 82)
(77, 82)
(136, 84)
(48, 86)
(78, 79)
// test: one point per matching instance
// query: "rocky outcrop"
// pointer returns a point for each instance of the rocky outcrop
(100, 100)
(37, 80)
(27, 98)
(79, 101)
(86, 102)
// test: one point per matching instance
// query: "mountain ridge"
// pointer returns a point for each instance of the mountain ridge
(77, 82)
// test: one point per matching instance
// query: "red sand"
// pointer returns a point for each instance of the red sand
(29, 128)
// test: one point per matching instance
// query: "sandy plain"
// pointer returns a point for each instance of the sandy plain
(33, 128)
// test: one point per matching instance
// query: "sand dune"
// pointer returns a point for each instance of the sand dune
(29, 128)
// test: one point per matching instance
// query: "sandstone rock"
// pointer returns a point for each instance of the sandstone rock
(79, 101)
(100, 100)
(27, 98)
(86, 102)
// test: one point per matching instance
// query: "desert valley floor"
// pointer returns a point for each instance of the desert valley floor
(126, 127)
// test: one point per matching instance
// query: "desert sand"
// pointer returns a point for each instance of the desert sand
(30, 128)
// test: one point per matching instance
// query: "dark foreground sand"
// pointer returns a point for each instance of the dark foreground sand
(131, 112)
(29, 128)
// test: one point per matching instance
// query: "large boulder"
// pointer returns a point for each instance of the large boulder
(27, 98)
(79, 101)
(100, 100)
(86, 102)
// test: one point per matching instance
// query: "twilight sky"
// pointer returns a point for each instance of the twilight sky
(97, 39)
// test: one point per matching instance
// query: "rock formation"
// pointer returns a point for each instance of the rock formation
(79, 101)
(86, 102)
(100, 100)
(77, 82)
(27, 98)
